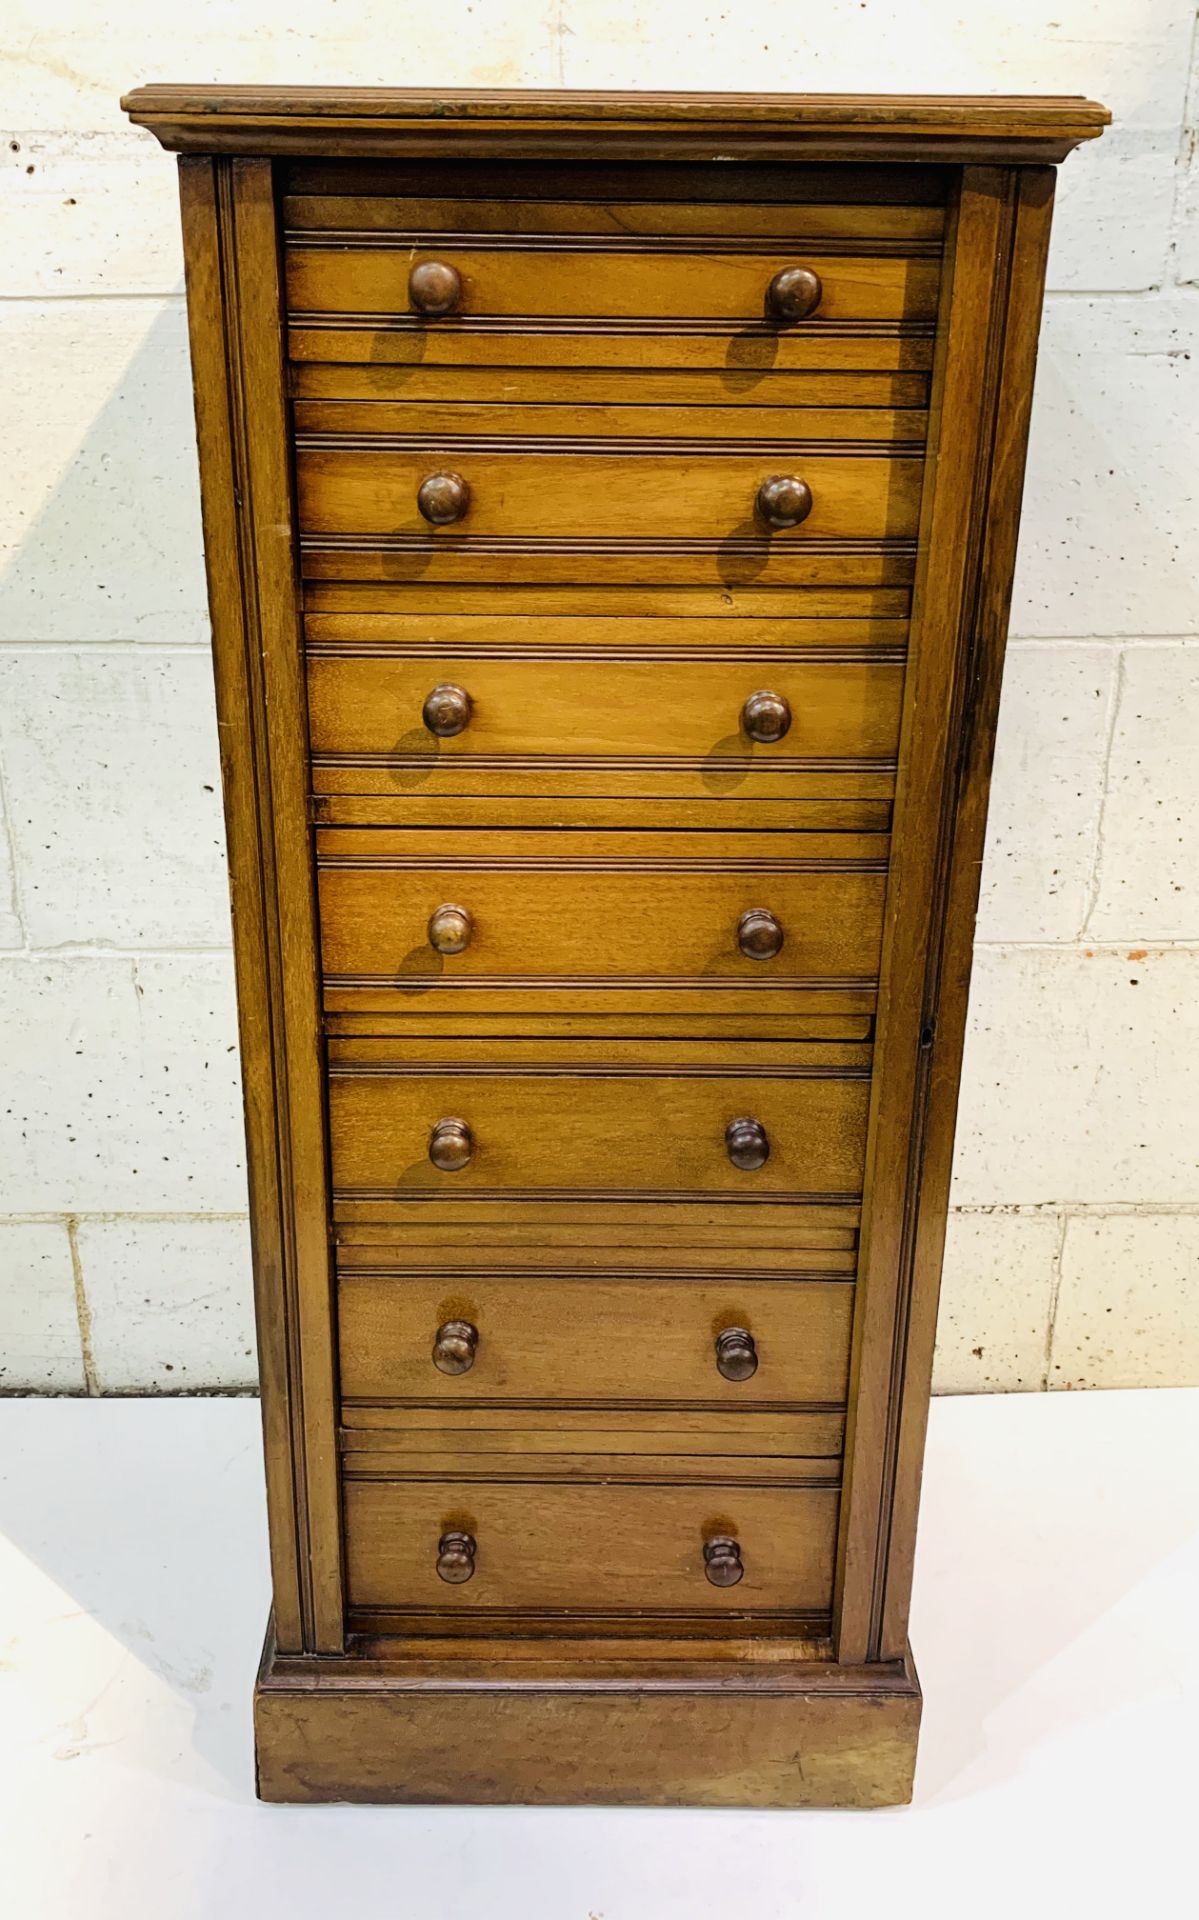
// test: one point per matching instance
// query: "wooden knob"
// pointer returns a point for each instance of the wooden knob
(450, 927)
(435, 287)
(447, 711)
(451, 1144)
(765, 716)
(746, 1144)
(445, 497)
(783, 501)
(736, 1354)
(722, 1561)
(457, 1343)
(793, 294)
(456, 1558)
(759, 934)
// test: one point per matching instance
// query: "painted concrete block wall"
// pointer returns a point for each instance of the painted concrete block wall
(1074, 1245)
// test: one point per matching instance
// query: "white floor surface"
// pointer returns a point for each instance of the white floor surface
(1055, 1627)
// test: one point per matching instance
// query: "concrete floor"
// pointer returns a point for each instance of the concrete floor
(1054, 1627)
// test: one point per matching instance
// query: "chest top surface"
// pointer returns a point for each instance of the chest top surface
(346, 121)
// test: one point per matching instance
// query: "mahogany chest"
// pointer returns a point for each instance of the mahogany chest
(610, 505)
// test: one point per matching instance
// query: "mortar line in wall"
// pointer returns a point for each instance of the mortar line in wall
(558, 31)
(83, 1217)
(1113, 944)
(1095, 881)
(36, 647)
(83, 1312)
(1080, 1209)
(74, 950)
(6, 834)
(1055, 294)
(1055, 1289)
(1155, 291)
(1007, 1209)
(175, 297)
(146, 1393)
(1188, 639)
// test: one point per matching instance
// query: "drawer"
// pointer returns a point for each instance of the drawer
(769, 392)
(360, 273)
(730, 357)
(737, 1442)
(584, 704)
(791, 616)
(556, 1336)
(790, 206)
(547, 1118)
(833, 422)
(594, 1549)
(603, 906)
(534, 490)
(718, 1243)
(595, 196)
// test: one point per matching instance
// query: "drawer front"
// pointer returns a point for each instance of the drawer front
(537, 491)
(787, 206)
(768, 393)
(659, 708)
(884, 428)
(569, 905)
(360, 276)
(734, 357)
(607, 1130)
(795, 616)
(553, 1336)
(618, 1549)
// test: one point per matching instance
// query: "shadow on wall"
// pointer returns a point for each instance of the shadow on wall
(100, 426)
(1107, 532)
(121, 1075)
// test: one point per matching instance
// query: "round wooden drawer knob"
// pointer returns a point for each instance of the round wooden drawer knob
(746, 1144)
(447, 710)
(456, 1345)
(451, 1144)
(434, 288)
(445, 497)
(722, 1561)
(759, 934)
(736, 1354)
(450, 928)
(794, 294)
(766, 716)
(782, 501)
(456, 1558)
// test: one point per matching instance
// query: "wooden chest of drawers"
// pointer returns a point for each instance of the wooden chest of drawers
(610, 508)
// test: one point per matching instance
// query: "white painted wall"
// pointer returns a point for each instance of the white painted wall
(1074, 1251)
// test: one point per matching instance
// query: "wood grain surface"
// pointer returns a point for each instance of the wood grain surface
(599, 906)
(656, 1348)
(575, 282)
(556, 1337)
(623, 1127)
(534, 490)
(842, 709)
(397, 219)
(599, 1548)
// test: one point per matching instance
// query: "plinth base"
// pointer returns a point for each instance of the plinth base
(557, 1723)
